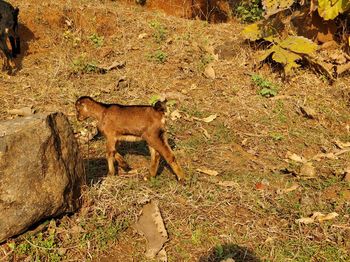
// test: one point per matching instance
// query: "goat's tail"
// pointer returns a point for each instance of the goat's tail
(160, 106)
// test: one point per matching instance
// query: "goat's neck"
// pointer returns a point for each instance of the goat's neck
(96, 111)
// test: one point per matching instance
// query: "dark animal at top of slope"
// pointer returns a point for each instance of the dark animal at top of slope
(9, 38)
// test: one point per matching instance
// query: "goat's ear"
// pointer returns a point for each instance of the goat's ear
(160, 106)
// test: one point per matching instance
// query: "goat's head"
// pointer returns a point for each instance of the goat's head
(83, 107)
(9, 39)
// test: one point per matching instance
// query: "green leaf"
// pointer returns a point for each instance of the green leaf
(299, 44)
(330, 9)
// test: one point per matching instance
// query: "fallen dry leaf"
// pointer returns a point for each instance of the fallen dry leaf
(228, 184)
(307, 170)
(308, 112)
(260, 186)
(321, 156)
(208, 171)
(206, 119)
(209, 72)
(209, 118)
(175, 115)
(317, 217)
(329, 216)
(305, 220)
(150, 224)
(340, 69)
(295, 157)
(115, 65)
(289, 189)
(341, 145)
(205, 132)
(24, 111)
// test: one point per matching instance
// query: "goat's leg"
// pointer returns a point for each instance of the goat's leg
(155, 157)
(110, 156)
(160, 143)
(121, 161)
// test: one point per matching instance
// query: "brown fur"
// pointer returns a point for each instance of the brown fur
(130, 123)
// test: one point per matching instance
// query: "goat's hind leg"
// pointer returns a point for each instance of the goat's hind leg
(121, 161)
(160, 143)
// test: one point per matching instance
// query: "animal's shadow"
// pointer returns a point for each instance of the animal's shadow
(229, 251)
(96, 168)
(26, 35)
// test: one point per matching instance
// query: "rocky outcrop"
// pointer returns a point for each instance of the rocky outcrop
(41, 171)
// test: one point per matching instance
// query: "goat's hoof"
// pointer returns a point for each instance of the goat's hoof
(110, 174)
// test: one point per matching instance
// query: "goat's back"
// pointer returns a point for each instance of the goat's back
(132, 120)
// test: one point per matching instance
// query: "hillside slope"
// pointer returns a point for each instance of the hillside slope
(249, 209)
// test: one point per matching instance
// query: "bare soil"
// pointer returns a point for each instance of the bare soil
(242, 213)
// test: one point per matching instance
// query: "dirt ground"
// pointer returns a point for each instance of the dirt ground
(248, 211)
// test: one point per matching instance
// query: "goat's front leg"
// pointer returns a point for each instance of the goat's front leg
(155, 157)
(110, 156)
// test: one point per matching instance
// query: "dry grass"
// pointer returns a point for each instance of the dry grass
(247, 143)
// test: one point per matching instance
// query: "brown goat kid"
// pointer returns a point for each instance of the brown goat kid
(130, 123)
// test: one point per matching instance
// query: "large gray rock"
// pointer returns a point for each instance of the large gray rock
(41, 171)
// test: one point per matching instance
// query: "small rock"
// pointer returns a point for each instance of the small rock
(151, 225)
(122, 83)
(209, 72)
(142, 36)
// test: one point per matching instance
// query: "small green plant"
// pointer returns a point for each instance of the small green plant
(160, 31)
(71, 37)
(204, 61)
(197, 237)
(277, 136)
(267, 88)
(96, 40)
(42, 246)
(158, 56)
(219, 251)
(81, 65)
(250, 11)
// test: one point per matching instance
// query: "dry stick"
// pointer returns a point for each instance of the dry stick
(6, 255)
(341, 226)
